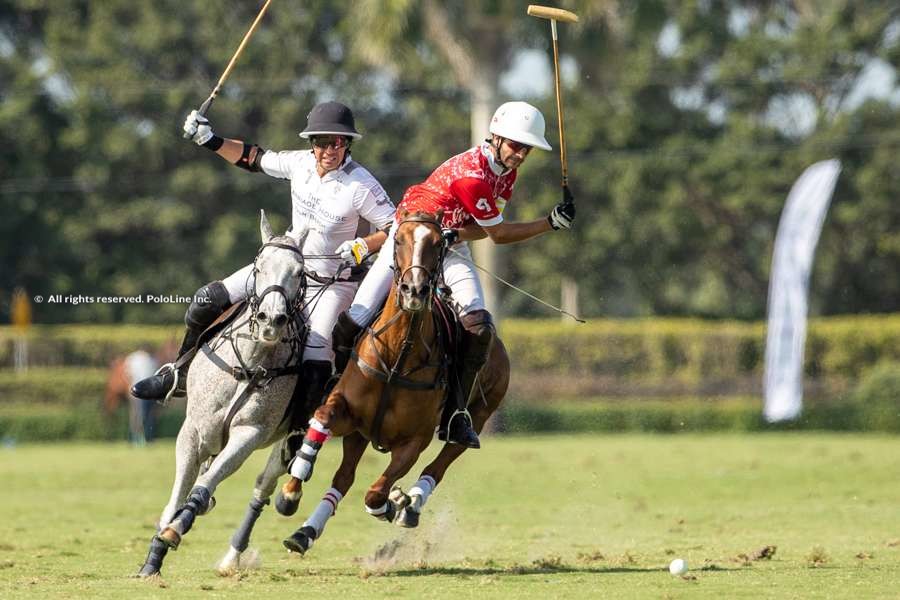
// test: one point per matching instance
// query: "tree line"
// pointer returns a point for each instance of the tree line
(687, 123)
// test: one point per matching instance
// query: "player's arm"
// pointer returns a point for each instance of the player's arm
(478, 199)
(239, 153)
(508, 233)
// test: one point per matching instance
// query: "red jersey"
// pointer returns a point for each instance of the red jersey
(469, 187)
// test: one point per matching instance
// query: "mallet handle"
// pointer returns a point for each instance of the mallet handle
(208, 102)
(564, 162)
(549, 12)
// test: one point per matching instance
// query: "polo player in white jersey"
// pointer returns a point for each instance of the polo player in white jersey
(340, 203)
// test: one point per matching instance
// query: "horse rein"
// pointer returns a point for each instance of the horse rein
(395, 376)
(431, 276)
(255, 299)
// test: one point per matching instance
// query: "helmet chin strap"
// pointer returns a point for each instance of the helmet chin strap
(496, 149)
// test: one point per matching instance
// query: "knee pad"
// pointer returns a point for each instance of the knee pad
(480, 332)
(209, 302)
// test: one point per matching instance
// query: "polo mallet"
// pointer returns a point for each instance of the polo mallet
(208, 102)
(554, 15)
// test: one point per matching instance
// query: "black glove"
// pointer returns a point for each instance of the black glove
(563, 213)
(451, 236)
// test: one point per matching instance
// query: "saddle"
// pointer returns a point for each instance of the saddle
(451, 333)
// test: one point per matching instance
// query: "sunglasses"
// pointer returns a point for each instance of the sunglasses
(328, 141)
(517, 146)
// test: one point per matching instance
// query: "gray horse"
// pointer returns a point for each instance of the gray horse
(238, 389)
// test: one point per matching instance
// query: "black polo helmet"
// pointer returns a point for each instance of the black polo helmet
(330, 118)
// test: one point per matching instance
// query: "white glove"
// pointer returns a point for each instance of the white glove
(353, 250)
(198, 128)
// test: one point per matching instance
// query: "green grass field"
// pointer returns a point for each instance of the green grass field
(537, 517)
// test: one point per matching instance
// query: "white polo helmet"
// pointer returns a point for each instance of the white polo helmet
(520, 122)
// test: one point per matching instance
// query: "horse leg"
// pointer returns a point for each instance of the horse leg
(262, 491)
(302, 539)
(331, 415)
(379, 502)
(242, 441)
(187, 465)
(434, 472)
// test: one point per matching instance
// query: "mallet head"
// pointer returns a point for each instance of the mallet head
(554, 14)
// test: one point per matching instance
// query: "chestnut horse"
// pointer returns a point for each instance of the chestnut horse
(393, 389)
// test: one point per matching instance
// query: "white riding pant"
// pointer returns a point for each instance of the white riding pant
(459, 275)
(322, 307)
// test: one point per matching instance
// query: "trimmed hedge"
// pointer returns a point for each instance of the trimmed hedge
(691, 351)
(56, 385)
(85, 345)
(30, 423)
(685, 350)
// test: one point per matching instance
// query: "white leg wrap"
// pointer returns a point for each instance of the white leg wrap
(421, 491)
(377, 511)
(315, 424)
(324, 511)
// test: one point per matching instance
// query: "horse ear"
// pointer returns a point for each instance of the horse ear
(403, 213)
(439, 215)
(264, 228)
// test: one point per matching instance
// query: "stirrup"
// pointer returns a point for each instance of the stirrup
(172, 391)
(444, 431)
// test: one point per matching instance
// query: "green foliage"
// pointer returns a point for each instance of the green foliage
(878, 396)
(687, 124)
(86, 345)
(54, 386)
(693, 351)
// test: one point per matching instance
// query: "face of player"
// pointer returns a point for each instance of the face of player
(329, 151)
(512, 153)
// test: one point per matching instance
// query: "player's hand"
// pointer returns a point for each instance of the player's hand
(563, 214)
(353, 250)
(197, 128)
(451, 236)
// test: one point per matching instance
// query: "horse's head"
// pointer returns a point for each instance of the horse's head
(418, 254)
(277, 285)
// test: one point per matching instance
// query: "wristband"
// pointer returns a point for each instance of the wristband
(214, 143)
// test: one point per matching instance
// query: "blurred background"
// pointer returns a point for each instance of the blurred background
(686, 122)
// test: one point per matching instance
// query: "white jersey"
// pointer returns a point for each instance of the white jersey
(344, 204)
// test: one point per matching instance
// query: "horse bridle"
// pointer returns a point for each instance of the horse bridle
(432, 276)
(255, 299)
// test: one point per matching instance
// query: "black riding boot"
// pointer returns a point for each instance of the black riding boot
(343, 340)
(209, 303)
(456, 422)
(316, 375)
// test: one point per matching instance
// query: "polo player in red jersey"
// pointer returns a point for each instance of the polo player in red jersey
(472, 189)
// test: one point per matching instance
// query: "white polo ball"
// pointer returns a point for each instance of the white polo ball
(678, 567)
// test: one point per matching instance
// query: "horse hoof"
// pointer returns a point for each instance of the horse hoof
(286, 506)
(148, 571)
(170, 538)
(301, 540)
(230, 563)
(408, 518)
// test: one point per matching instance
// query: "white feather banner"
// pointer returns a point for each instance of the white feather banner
(795, 246)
